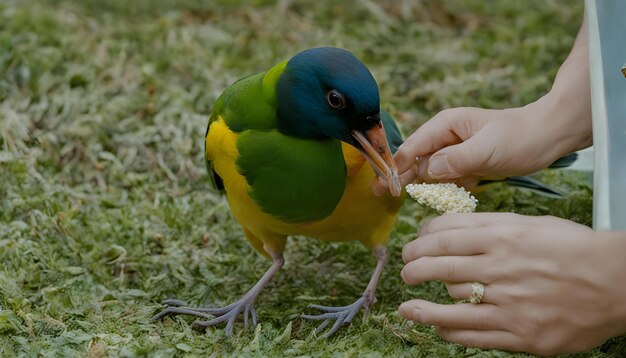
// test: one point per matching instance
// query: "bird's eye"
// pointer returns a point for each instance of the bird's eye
(335, 99)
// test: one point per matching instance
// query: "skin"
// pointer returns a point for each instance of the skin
(551, 286)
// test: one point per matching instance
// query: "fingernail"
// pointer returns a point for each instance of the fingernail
(416, 314)
(402, 309)
(403, 275)
(439, 168)
(409, 311)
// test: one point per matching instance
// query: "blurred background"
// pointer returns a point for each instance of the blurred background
(106, 208)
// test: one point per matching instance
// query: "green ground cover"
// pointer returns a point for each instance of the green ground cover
(105, 205)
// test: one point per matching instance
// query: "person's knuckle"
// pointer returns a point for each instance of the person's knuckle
(401, 155)
(483, 321)
(416, 314)
(452, 290)
(444, 241)
(490, 276)
(452, 114)
(450, 270)
(426, 316)
(509, 236)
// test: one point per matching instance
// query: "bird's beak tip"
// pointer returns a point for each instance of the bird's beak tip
(376, 150)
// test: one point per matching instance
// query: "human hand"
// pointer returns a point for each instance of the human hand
(462, 145)
(551, 286)
(465, 144)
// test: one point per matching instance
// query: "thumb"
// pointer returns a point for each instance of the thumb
(457, 161)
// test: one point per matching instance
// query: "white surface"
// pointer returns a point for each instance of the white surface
(584, 162)
(607, 36)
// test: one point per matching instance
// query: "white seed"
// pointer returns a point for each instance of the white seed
(444, 197)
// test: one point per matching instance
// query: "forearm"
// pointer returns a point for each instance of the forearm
(565, 120)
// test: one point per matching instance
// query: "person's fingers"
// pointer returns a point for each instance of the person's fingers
(462, 291)
(456, 161)
(448, 127)
(452, 242)
(484, 339)
(447, 268)
(422, 168)
(408, 177)
(482, 316)
(470, 220)
(468, 182)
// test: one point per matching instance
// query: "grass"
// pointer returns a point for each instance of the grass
(106, 208)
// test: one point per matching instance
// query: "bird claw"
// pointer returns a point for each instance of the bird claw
(341, 315)
(214, 316)
(249, 313)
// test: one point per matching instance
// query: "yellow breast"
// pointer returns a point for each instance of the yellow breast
(359, 215)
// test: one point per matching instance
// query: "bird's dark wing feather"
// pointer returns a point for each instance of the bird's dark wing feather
(527, 183)
(536, 185)
(564, 161)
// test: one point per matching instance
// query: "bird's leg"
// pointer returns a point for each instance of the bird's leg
(344, 315)
(228, 313)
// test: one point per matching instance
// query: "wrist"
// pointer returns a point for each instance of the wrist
(544, 137)
(569, 118)
(614, 277)
(559, 124)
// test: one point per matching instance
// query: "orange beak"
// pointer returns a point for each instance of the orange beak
(376, 150)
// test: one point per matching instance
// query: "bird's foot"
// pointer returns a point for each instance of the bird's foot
(213, 316)
(341, 315)
(228, 314)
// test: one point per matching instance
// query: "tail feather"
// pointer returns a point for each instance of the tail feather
(534, 184)
(528, 183)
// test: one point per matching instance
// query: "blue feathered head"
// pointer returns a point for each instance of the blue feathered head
(327, 92)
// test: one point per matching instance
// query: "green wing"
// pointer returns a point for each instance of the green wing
(277, 168)
(246, 104)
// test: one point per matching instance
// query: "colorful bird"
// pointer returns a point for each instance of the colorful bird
(290, 148)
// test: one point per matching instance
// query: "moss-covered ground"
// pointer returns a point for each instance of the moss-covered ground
(105, 205)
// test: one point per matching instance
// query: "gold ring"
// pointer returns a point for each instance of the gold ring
(478, 291)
